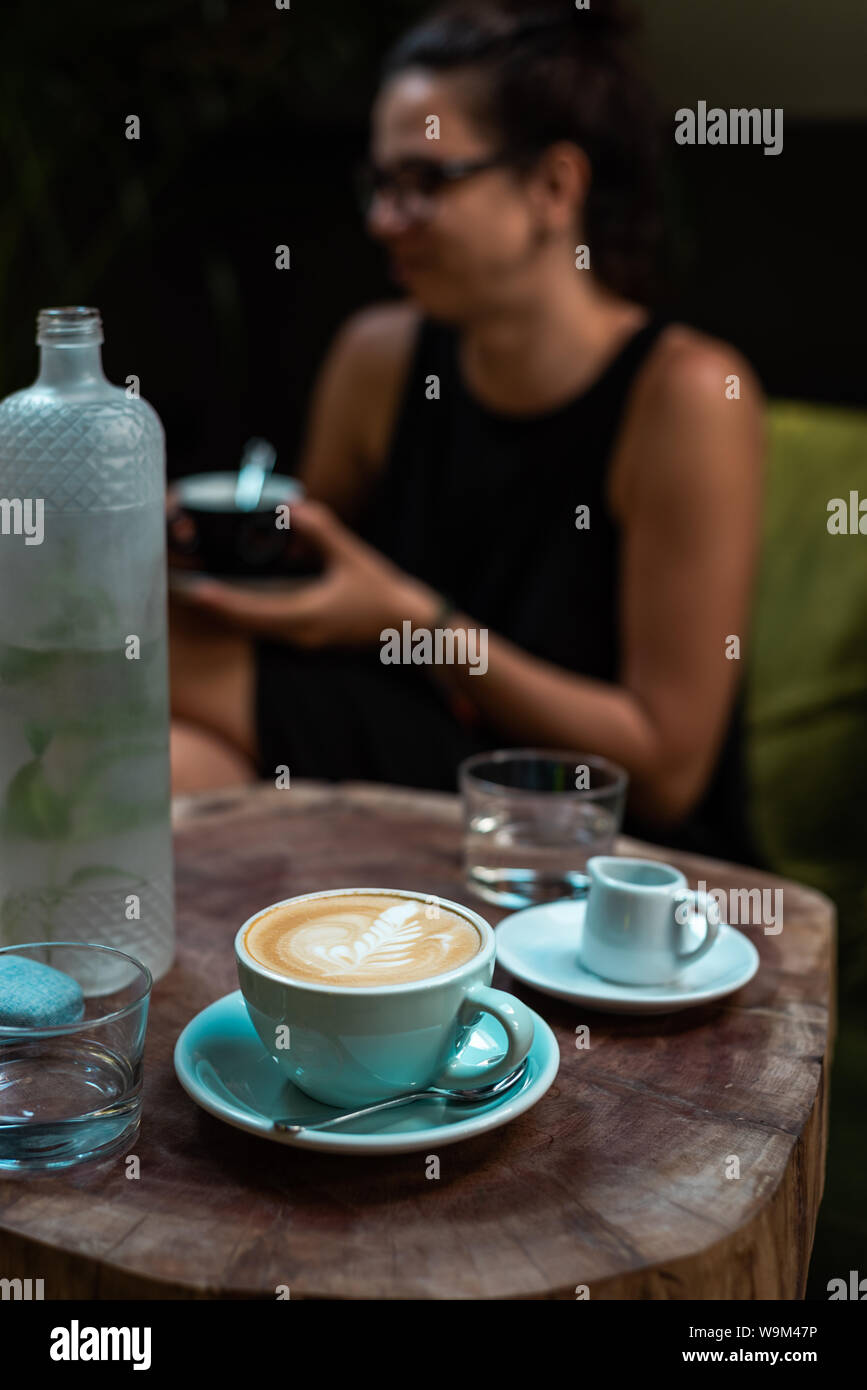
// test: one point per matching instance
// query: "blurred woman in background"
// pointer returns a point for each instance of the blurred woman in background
(456, 436)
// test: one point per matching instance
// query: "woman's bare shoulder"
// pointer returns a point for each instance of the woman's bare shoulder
(688, 366)
(379, 338)
(374, 347)
(696, 402)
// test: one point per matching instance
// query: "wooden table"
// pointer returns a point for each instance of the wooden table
(615, 1180)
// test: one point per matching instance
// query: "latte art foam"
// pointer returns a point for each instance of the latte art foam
(361, 939)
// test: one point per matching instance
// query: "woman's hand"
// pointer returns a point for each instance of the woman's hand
(359, 594)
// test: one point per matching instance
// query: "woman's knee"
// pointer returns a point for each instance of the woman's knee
(212, 674)
(203, 761)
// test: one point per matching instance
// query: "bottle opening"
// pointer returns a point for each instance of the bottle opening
(69, 326)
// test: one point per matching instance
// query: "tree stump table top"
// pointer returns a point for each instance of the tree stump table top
(618, 1179)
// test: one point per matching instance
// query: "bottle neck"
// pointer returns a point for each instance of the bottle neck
(78, 365)
(70, 352)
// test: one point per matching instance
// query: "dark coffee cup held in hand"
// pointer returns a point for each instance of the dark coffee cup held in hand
(209, 533)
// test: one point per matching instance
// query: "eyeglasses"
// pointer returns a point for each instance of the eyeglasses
(414, 184)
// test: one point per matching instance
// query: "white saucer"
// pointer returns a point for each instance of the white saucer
(222, 1065)
(540, 946)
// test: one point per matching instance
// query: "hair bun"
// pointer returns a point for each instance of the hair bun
(603, 19)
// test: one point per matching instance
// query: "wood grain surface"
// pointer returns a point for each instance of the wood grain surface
(616, 1180)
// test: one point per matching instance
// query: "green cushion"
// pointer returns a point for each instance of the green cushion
(806, 677)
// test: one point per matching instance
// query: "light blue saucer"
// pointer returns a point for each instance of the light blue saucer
(541, 947)
(222, 1065)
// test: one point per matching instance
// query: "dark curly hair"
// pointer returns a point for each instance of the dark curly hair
(548, 72)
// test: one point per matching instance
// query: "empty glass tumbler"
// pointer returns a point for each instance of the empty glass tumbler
(532, 819)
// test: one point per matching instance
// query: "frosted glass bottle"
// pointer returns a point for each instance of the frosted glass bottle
(85, 830)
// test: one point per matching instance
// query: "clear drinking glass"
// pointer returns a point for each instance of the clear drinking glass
(532, 819)
(72, 1091)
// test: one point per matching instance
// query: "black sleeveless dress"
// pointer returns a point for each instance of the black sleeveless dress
(482, 507)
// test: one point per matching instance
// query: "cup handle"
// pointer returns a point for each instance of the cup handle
(702, 905)
(517, 1022)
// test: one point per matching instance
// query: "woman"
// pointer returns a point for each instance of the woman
(456, 439)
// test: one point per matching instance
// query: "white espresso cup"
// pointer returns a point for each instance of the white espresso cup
(639, 921)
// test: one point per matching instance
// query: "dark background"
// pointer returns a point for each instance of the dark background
(251, 121)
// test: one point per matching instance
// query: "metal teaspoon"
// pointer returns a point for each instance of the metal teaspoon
(472, 1097)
